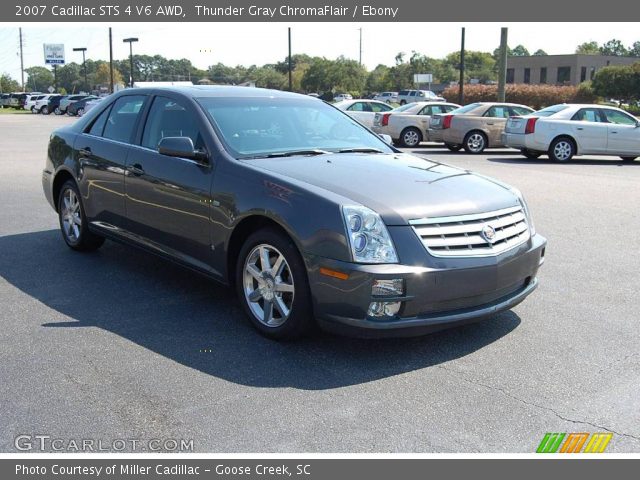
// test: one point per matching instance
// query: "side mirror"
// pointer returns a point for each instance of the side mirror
(637, 124)
(180, 147)
(386, 138)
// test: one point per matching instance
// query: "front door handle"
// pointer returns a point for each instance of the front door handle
(136, 169)
(85, 152)
(614, 132)
(579, 128)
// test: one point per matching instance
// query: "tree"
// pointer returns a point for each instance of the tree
(8, 84)
(520, 51)
(539, 53)
(40, 78)
(102, 75)
(621, 82)
(378, 79)
(478, 65)
(634, 51)
(70, 77)
(588, 48)
(614, 47)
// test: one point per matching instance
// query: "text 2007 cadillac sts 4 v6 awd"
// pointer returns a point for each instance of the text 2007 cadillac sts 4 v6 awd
(308, 214)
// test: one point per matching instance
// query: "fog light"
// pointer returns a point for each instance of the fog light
(383, 309)
(388, 288)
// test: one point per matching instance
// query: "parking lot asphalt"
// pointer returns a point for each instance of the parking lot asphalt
(118, 344)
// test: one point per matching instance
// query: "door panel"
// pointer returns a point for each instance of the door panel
(623, 133)
(589, 131)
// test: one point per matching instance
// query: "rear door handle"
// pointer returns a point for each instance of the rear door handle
(579, 128)
(136, 169)
(614, 132)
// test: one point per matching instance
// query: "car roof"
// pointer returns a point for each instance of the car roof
(199, 91)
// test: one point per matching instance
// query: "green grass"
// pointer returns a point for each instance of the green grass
(12, 111)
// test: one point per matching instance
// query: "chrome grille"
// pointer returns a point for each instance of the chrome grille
(462, 235)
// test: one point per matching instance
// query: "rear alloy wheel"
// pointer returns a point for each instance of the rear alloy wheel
(80, 112)
(44, 110)
(453, 147)
(628, 159)
(410, 137)
(57, 111)
(562, 150)
(73, 223)
(33, 109)
(475, 142)
(530, 153)
(272, 285)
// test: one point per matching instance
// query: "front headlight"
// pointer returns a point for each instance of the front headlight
(368, 236)
(525, 207)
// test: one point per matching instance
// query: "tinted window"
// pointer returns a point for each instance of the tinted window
(520, 111)
(547, 112)
(168, 118)
(358, 107)
(122, 118)
(404, 92)
(98, 125)
(587, 115)
(619, 118)
(466, 108)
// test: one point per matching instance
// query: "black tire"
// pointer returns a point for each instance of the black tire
(475, 142)
(453, 147)
(562, 149)
(77, 237)
(44, 110)
(33, 109)
(410, 137)
(628, 159)
(530, 154)
(57, 111)
(403, 102)
(293, 273)
(80, 112)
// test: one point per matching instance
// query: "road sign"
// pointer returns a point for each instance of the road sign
(423, 78)
(51, 89)
(53, 53)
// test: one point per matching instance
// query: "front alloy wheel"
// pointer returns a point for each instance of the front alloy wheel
(272, 285)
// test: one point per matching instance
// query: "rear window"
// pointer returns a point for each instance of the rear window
(466, 108)
(547, 112)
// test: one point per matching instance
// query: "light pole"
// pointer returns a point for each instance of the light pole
(84, 64)
(130, 42)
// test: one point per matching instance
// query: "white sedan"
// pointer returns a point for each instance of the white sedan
(562, 131)
(363, 111)
(408, 125)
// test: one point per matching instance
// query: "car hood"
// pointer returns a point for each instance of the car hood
(399, 187)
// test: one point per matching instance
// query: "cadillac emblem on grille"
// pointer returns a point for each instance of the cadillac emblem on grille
(488, 233)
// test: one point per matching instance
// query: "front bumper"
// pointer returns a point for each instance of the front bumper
(447, 293)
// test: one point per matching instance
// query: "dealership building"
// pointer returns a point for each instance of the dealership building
(560, 69)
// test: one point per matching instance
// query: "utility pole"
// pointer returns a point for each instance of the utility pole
(290, 73)
(461, 84)
(360, 57)
(110, 62)
(55, 76)
(84, 64)
(21, 59)
(502, 72)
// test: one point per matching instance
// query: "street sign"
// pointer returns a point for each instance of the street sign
(51, 89)
(53, 53)
(423, 78)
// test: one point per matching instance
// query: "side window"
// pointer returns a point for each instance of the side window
(447, 108)
(122, 118)
(428, 110)
(497, 111)
(357, 107)
(168, 118)
(619, 118)
(98, 125)
(587, 115)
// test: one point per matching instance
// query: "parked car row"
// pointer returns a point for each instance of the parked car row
(35, 102)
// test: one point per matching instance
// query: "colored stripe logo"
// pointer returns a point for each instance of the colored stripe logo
(574, 442)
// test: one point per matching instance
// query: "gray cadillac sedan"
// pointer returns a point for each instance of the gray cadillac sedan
(311, 217)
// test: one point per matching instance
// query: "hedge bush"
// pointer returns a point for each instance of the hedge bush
(535, 96)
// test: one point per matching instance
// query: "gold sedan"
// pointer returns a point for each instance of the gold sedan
(474, 127)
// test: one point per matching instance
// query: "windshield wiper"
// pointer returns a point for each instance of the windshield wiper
(291, 153)
(360, 150)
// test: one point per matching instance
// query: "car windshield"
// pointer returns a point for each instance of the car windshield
(259, 127)
(547, 112)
